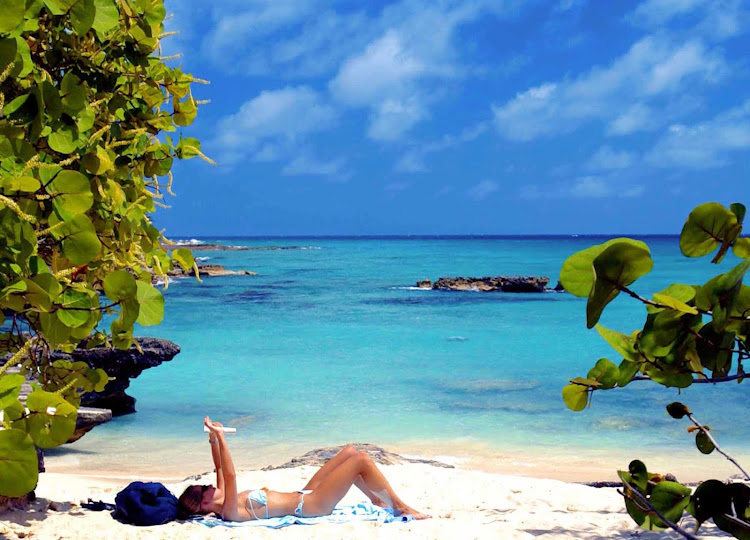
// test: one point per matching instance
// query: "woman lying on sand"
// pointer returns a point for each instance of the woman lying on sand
(326, 488)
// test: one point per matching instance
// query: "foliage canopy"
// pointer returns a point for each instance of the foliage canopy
(84, 95)
(692, 334)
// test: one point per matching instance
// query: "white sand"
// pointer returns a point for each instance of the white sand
(465, 504)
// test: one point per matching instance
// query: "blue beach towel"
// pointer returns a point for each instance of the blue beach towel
(363, 511)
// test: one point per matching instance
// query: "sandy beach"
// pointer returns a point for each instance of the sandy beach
(463, 503)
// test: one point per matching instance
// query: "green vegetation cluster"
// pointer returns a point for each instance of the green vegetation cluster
(692, 334)
(84, 95)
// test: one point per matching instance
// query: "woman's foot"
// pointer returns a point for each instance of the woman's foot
(409, 511)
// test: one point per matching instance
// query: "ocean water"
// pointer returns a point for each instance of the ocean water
(332, 343)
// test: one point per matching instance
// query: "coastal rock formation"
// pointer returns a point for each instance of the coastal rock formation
(559, 287)
(209, 270)
(122, 366)
(516, 284)
(379, 455)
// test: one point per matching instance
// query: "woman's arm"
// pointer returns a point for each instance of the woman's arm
(229, 510)
(213, 440)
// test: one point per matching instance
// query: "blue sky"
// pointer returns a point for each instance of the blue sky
(461, 116)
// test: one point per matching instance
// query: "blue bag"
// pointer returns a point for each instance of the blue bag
(145, 503)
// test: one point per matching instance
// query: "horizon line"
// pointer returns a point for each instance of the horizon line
(427, 236)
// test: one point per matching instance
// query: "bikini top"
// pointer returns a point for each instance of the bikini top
(257, 496)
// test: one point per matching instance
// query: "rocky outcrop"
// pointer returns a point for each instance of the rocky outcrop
(515, 284)
(121, 366)
(379, 455)
(559, 287)
(209, 270)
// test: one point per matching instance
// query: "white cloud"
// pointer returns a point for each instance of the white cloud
(272, 125)
(393, 118)
(307, 165)
(704, 145)
(413, 161)
(482, 190)
(586, 187)
(716, 19)
(608, 159)
(652, 72)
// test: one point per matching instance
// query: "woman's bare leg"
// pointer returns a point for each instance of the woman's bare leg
(334, 486)
(336, 461)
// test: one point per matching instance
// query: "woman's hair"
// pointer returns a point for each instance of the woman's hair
(189, 502)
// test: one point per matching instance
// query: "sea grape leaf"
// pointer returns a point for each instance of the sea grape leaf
(671, 499)
(620, 342)
(106, 17)
(708, 226)
(617, 266)
(82, 16)
(98, 162)
(120, 285)
(674, 303)
(739, 507)
(738, 209)
(80, 243)
(10, 387)
(669, 376)
(703, 442)
(55, 332)
(712, 348)
(64, 140)
(24, 184)
(74, 308)
(577, 273)
(709, 499)
(151, 309)
(627, 370)
(183, 257)
(605, 373)
(52, 420)
(741, 248)
(71, 194)
(18, 463)
(11, 15)
(575, 396)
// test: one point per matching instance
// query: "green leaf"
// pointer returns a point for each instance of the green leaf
(708, 226)
(73, 92)
(10, 387)
(15, 104)
(617, 266)
(671, 499)
(577, 273)
(107, 17)
(738, 209)
(80, 244)
(11, 15)
(183, 257)
(703, 442)
(604, 372)
(709, 499)
(52, 420)
(64, 140)
(620, 342)
(54, 331)
(74, 306)
(741, 248)
(627, 370)
(575, 396)
(82, 16)
(120, 285)
(151, 302)
(59, 7)
(97, 162)
(23, 184)
(674, 303)
(71, 194)
(18, 463)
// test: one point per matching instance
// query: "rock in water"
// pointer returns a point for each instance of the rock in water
(122, 366)
(514, 284)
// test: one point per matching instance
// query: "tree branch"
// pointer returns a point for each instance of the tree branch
(638, 497)
(716, 445)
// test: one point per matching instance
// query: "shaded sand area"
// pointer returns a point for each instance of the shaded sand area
(465, 504)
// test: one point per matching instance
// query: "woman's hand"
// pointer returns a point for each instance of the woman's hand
(215, 430)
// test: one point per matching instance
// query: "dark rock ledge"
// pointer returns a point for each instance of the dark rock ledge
(514, 284)
(99, 407)
(209, 270)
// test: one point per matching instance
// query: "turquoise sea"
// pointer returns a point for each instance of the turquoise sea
(331, 343)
